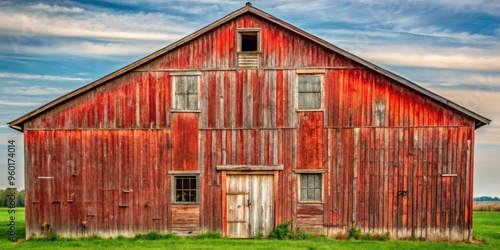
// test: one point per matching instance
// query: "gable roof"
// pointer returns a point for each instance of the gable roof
(248, 8)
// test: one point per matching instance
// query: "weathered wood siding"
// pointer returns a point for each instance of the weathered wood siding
(384, 147)
(116, 180)
(249, 205)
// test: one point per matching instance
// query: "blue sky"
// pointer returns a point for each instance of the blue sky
(49, 48)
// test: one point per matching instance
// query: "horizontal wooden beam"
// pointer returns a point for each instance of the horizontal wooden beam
(249, 167)
(309, 171)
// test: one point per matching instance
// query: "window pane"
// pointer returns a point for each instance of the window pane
(310, 194)
(303, 180)
(303, 194)
(309, 92)
(192, 102)
(317, 181)
(185, 188)
(309, 101)
(186, 92)
(317, 194)
(249, 41)
(192, 184)
(310, 181)
(309, 84)
(178, 184)
(310, 187)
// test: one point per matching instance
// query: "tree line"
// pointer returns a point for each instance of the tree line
(486, 198)
(5, 198)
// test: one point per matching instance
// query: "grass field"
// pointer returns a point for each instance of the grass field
(486, 206)
(486, 228)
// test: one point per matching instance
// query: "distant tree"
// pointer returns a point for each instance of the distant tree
(4, 202)
(3, 198)
(20, 198)
(486, 198)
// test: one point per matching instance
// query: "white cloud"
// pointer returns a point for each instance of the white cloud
(94, 49)
(76, 22)
(55, 8)
(22, 104)
(452, 61)
(40, 77)
(34, 90)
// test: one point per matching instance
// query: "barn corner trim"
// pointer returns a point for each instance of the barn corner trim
(18, 124)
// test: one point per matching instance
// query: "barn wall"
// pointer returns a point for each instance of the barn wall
(116, 180)
(110, 149)
(371, 168)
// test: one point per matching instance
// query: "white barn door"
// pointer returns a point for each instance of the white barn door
(249, 205)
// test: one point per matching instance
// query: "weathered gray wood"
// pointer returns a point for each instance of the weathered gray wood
(250, 205)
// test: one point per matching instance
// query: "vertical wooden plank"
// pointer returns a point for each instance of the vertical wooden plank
(185, 141)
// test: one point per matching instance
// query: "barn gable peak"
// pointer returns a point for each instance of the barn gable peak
(18, 124)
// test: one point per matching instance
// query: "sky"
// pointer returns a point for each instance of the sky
(451, 47)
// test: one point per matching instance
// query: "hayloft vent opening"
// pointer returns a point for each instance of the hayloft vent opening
(249, 41)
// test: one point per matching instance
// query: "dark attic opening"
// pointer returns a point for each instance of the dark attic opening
(249, 41)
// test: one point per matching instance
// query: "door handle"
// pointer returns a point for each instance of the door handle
(248, 202)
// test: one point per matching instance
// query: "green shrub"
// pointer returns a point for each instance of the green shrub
(366, 236)
(354, 233)
(209, 235)
(302, 235)
(94, 237)
(153, 236)
(171, 236)
(282, 231)
(341, 236)
(385, 237)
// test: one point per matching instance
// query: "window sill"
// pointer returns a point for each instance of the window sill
(312, 202)
(185, 203)
(249, 52)
(309, 171)
(185, 111)
(309, 110)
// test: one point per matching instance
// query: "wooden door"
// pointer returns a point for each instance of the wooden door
(250, 205)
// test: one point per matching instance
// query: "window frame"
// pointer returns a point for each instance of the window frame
(175, 175)
(321, 75)
(239, 40)
(174, 76)
(321, 172)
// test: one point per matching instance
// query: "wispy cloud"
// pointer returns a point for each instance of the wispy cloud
(55, 8)
(10, 75)
(34, 90)
(456, 61)
(22, 104)
(40, 19)
(94, 49)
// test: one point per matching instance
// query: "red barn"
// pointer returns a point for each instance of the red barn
(242, 125)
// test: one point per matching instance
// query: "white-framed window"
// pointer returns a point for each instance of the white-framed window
(185, 188)
(310, 91)
(248, 40)
(310, 185)
(185, 89)
(249, 47)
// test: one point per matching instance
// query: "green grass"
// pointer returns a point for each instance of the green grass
(486, 228)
